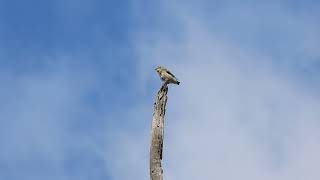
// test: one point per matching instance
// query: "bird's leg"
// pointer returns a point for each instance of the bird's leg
(164, 85)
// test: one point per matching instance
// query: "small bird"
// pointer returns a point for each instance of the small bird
(166, 75)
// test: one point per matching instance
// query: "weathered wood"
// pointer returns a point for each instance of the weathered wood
(157, 133)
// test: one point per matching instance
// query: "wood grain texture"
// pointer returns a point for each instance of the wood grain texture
(157, 133)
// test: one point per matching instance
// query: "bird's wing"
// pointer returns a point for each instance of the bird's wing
(170, 73)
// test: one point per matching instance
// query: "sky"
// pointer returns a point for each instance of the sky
(78, 86)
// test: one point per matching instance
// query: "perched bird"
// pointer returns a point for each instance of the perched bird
(166, 75)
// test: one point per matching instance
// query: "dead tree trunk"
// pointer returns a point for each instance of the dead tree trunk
(157, 132)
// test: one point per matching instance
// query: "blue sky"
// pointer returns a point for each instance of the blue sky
(78, 84)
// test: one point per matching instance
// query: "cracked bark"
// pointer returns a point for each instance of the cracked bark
(157, 132)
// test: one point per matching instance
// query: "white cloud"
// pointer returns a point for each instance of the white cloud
(234, 116)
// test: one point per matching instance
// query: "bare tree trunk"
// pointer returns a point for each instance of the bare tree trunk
(157, 132)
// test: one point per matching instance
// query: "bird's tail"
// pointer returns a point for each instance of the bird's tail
(177, 82)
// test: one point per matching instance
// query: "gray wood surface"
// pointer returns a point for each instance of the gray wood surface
(157, 133)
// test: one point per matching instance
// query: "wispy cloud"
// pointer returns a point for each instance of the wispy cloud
(240, 112)
(46, 124)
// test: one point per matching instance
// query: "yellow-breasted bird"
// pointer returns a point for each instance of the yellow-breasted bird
(166, 75)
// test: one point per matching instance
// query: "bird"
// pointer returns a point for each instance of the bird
(166, 75)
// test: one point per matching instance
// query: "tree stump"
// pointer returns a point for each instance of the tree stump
(157, 133)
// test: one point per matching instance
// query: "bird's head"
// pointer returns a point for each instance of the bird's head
(158, 69)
